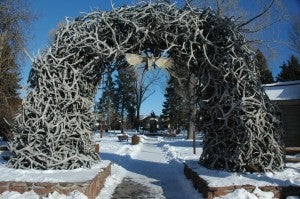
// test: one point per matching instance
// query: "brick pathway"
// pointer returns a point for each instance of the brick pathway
(130, 189)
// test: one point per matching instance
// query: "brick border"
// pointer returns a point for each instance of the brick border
(90, 188)
(201, 185)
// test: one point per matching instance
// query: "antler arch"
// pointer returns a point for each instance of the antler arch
(53, 130)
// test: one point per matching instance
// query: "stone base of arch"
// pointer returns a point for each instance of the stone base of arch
(208, 191)
(90, 188)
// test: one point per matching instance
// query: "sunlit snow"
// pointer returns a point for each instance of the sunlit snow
(156, 163)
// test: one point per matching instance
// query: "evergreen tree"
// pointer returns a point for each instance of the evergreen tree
(173, 112)
(107, 103)
(15, 17)
(131, 118)
(153, 122)
(152, 114)
(186, 84)
(9, 100)
(265, 74)
(125, 90)
(167, 111)
(289, 71)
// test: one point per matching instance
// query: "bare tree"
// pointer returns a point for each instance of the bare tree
(263, 13)
(263, 16)
(16, 18)
(295, 33)
(143, 89)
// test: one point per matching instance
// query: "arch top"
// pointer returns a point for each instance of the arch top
(157, 26)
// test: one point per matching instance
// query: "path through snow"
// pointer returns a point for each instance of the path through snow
(149, 165)
(151, 169)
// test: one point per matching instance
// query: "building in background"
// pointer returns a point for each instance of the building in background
(287, 96)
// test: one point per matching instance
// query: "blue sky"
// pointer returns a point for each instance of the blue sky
(51, 12)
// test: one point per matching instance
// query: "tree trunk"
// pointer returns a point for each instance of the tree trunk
(192, 119)
(122, 118)
(192, 107)
(138, 119)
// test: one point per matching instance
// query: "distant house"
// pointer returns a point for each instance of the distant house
(287, 96)
(149, 123)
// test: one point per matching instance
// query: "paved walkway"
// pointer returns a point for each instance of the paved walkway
(130, 189)
(150, 165)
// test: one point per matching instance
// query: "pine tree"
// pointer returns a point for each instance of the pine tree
(173, 112)
(265, 74)
(289, 71)
(186, 83)
(107, 103)
(167, 111)
(15, 17)
(125, 90)
(153, 122)
(9, 78)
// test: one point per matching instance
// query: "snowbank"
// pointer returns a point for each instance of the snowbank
(33, 195)
(31, 175)
(290, 176)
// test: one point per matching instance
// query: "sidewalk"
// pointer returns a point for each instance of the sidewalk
(149, 174)
(130, 189)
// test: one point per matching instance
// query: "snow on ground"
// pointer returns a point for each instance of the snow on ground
(156, 163)
(148, 164)
(175, 151)
(76, 175)
(290, 176)
(243, 194)
(33, 195)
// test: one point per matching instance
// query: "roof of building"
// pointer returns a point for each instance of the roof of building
(289, 90)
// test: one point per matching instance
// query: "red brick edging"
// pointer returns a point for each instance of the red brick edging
(90, 188)
(201, 185)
